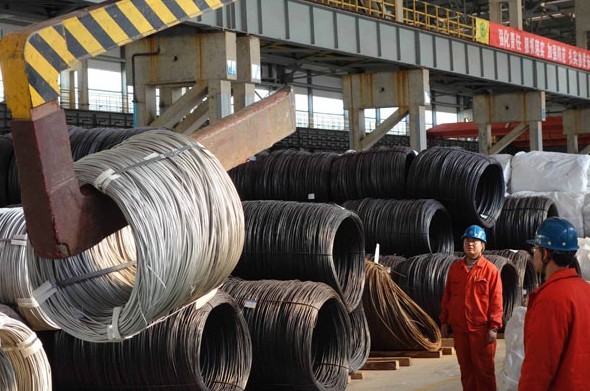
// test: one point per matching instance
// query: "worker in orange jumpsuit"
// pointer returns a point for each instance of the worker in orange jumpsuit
(472, 306)
(557, 322)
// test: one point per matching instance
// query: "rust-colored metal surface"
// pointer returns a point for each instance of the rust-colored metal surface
(64, 220)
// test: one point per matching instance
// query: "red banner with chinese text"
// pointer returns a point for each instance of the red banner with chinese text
(519, 41)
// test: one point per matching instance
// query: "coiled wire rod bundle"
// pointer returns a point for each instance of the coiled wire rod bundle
(299, 331)
(377, 173)
(7, 375)
(423, 278)
(294, 176)
(207, 348)
(187, 222)
(511, 291)
(244, 178)
(396, 322)
(469, 184)
(519, 220)
(404, 227)
(27, 359)
(522, 260)
(16, 287)
(317, 242)
(391, 262)
(360, 339)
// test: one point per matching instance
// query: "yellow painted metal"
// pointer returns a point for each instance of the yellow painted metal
(32, 58)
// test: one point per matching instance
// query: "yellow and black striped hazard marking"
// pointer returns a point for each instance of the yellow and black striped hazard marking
(31, 59)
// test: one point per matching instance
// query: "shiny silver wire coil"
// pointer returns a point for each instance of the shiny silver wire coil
(188, 227)
(207, 348)
(396, 322)
(20, 345)
(16, 287)
(299, 333)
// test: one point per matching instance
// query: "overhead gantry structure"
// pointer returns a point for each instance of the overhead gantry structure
(62, 218)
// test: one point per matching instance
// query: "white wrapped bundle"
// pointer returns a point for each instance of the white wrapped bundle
(549, 171)
(514, 338)
(506, 161)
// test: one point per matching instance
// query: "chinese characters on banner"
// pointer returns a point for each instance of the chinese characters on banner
(519, 41)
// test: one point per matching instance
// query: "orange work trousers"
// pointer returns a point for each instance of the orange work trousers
(476, 360)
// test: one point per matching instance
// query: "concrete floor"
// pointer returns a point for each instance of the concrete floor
(436, 374)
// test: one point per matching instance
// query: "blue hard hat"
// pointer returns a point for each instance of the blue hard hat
(475, 232)
(556, 234)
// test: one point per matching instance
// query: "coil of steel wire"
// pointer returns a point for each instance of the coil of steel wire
(299, 331)
(16, 287)
(404, 227)
(377, 173)
(423, 278)
(207, 348)
(317, 242)
(391, 262)
(518, 222)
(188, 225)
(522, 260)
(294, 176)
(396, 322)
(511, 291)
(23, 364)
(244, 178)
(469, 184)
(360, 339)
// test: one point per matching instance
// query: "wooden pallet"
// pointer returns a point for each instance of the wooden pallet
(383, 365)
(405, 353)
(403, 361)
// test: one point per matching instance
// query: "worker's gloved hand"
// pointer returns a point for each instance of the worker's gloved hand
(444, 330)
(492, 335)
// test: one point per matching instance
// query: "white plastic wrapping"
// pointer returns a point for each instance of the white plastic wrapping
(514, 339)
(570, 206)
(506, 161)
(549, 171)
(583, 255)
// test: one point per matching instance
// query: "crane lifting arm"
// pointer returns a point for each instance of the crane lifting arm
(62, 219)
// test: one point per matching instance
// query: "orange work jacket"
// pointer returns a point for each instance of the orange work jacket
(472, 299)
(557, 335)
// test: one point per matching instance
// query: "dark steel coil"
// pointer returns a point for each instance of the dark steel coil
(404, 227)
(244, 179)
(300, 333)
(294, 176)
(396, 322)
(317, 242)
(360, 338)
(518, 222)
(511, 291)
(377, 173)
(528, 278)
(195, 349)
(469, 184)
(423, 278)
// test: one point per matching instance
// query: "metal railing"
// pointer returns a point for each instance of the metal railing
(417, 13)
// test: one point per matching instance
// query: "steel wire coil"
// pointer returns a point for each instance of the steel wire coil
(360, 338)
(317, 242)
(16, 287)
(378, 173)
(404, 227)
(244, 178)
(299, 331)
(470, 185)
(518, 222)
(294, 176)
(187, 222)
(528, 278)
(9, 311)
(511, 291)
(27, 359)
(396, 322)
(423, 278)
(206, 348)
(7, 374)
